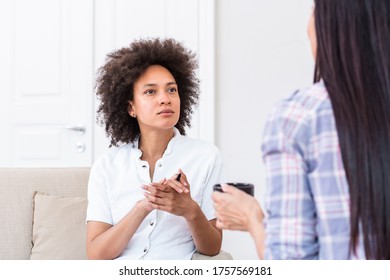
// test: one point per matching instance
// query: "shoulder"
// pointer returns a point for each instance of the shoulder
(197, 147)
(297, 111)
(293, 122)
(303, 104)
(197, 144)
(113, 156)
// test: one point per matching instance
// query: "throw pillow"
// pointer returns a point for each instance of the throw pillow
(59, 228)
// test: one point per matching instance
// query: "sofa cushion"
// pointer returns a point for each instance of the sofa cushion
(59, 228)
(17, 186)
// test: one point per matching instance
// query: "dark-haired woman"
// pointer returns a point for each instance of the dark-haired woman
(139, 207)
(327, 147)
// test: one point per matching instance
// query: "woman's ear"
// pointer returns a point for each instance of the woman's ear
(130, 109)
(311, 32)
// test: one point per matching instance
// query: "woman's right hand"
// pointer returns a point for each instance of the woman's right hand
(144, 205)
(172, 196)
(236, 210)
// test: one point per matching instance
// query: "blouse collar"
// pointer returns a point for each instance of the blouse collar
(168, 150)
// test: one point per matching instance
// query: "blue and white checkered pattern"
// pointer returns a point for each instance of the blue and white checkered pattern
(307, 198)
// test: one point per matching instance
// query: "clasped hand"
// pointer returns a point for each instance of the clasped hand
(170, 195)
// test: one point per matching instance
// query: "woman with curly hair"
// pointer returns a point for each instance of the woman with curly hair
(150, 196)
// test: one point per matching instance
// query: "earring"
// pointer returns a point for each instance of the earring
(133, 115)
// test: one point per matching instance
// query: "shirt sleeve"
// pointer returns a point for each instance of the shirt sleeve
(98, 200)
(290, 211)
(216, 176)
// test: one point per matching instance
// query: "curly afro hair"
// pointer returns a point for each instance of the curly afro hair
(116, 78)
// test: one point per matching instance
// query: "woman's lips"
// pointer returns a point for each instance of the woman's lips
(166, 112)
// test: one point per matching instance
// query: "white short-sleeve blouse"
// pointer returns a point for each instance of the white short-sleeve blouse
(115, 186)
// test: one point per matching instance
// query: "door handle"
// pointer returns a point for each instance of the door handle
(78, 128)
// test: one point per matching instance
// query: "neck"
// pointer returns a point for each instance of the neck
(154, 143)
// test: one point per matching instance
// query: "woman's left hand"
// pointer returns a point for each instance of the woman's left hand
(164, 196)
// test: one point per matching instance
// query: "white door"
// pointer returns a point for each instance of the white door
(46, 82)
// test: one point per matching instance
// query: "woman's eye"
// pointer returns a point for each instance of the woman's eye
(149, 91)
(172, 90)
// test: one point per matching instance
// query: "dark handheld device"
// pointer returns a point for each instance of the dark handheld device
(178, 177)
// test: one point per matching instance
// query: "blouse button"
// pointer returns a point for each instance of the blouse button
(143, 166)
(145, 249)
(160, 165)
(151, 223)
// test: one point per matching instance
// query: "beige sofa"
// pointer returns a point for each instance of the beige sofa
(42, 212)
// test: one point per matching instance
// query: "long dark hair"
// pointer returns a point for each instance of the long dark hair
(353, 60)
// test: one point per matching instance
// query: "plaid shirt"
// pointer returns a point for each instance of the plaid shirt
(307, 198)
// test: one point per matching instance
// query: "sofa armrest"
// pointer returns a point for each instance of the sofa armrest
(221, 256)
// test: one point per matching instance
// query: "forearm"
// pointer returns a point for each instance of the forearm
(258, 235)
(111, 243)
(207, 237)
(256, 228)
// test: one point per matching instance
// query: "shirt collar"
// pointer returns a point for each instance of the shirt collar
(176, 135)
(168, 150)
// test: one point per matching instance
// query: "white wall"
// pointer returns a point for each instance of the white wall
(262, 55)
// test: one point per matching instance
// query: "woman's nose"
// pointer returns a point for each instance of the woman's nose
(165, 98)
